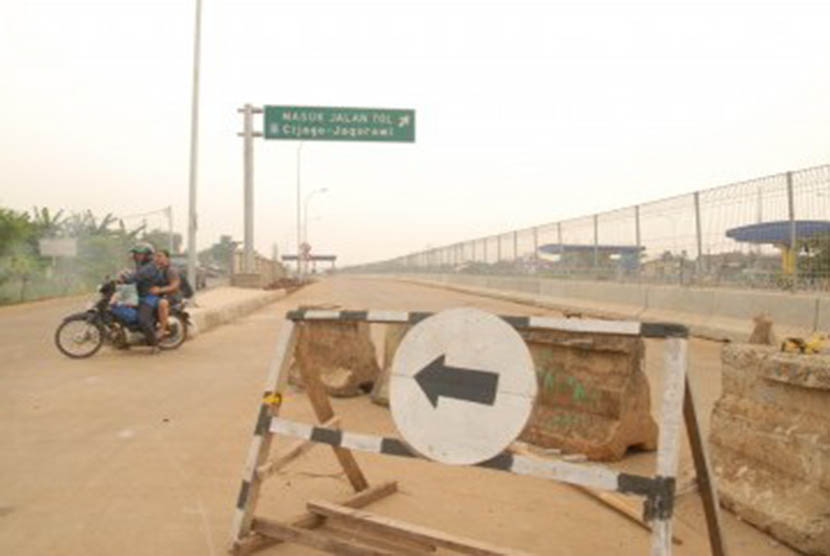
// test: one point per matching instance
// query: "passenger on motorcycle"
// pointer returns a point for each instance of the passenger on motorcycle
(145, 277)
(167, 287)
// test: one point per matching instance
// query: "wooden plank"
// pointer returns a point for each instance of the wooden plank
(297, 449)
(613, 501)
(622, 506)
(315, 539)
(708, 493)
(309, 520)
(398, 545)
(322, 409)
(389, 526)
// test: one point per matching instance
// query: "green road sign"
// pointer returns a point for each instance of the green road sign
(323, 123)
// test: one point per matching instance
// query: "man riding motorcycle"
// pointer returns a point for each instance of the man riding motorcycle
(145, 277)
(167, 288)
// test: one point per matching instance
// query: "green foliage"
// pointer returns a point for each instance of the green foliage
(161, 240)
(15, 229)
(102, 251)
(815, 263)
(47, 224)
(219, 254)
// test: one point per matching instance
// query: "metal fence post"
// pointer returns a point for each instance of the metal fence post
(793, 254)
(515, 246)
(561, 245)
(596, 245)
(498, 248)
(699, 234)
(638, 239)
(484, 249)
(535, 250)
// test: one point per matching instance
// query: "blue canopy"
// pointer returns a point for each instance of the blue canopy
(778, 232)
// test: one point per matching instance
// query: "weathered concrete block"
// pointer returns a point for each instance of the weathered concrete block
(593, 395)
(342, 353)
(770, 443)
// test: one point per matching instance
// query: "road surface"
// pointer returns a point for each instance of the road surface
(127, 453)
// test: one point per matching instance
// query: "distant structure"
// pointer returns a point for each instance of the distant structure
(624, 256)
(778, 234)
(313, 259)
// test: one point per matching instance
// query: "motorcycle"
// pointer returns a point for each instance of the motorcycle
(81, 335)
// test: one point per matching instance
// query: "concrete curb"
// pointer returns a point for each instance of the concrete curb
(204, 319)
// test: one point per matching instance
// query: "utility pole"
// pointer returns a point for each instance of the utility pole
(194, 150)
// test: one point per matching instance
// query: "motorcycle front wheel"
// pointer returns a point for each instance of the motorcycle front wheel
(78, 338)
(177, 328)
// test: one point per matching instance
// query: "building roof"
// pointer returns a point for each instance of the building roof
(778, 232)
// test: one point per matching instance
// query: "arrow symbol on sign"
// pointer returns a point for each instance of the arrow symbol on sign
(437, 379)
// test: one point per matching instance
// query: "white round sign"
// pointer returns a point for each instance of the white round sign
(462, 386)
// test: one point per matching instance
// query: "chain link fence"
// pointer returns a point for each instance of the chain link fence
(769, 232)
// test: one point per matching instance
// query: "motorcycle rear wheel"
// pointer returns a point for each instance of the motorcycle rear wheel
(78, 338)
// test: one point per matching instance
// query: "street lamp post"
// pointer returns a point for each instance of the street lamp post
(305, 213)
(299, 223)
(194, 149)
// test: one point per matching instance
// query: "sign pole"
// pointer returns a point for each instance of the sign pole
(248, 157)
(299, 223)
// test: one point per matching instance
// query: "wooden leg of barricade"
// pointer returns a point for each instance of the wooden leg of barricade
(322, 409)
(708, 493)
(659, 508)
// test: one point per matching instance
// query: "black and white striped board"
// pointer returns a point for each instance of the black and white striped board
(462, 386)
(656, 489)
(594, 326)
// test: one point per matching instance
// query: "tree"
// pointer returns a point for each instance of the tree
(15, 229)
(161, 240)
(47, 224)
(220, 253)
(816, 264)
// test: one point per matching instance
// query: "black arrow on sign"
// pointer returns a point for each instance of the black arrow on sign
(437, 379)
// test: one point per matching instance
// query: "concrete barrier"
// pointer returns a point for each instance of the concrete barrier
(221, 307)
(717, 313)
(692, 307)
(791, 314)
(341, 353)
(593, 396)
(770, 443)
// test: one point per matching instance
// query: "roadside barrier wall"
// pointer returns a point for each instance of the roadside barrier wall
(717, 313)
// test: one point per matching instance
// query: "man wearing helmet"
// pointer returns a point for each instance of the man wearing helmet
(145, 277)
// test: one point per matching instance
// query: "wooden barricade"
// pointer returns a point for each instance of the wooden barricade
(372, 534)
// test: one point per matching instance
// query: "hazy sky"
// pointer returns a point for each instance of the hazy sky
(526, 112)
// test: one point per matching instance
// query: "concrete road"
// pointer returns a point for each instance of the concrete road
(127, 453)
